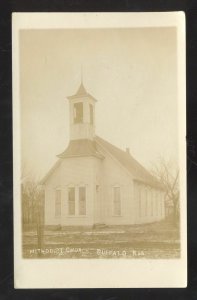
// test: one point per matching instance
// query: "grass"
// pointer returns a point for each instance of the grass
(156, 240)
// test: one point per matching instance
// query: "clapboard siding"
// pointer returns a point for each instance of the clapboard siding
(140, 203)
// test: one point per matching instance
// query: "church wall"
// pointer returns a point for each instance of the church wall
(113, 175)
(149, 203)
(50, 186)
(73, 172)
(78, 172)
(140, 203)
(99, 212)
(151, 208)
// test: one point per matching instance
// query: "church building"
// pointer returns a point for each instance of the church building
(94, 182)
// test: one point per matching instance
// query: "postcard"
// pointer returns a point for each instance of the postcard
(99, 126)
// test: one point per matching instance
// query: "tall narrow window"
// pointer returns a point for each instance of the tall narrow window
(82, 200)
(152, 199)
(140, 201)
(91, 114)
(161, 206)
(71, 201)
(146, 203)
(117, 203)
(157, 203)
(58, 203)
(78, 112)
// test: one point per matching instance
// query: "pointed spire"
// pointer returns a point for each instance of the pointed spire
(81, 90)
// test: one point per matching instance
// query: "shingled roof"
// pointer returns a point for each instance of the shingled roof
(133, 166)
(82, 147)
(85, 147)
(97, 148)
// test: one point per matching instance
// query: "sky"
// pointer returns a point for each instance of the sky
(131, 72)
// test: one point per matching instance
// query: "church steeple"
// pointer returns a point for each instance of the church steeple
(82, 110)
(81, 90)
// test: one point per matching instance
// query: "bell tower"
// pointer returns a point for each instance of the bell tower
(82, 115)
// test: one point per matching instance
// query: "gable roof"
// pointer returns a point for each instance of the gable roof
(133, 166)
(85, 147)
(50, 172)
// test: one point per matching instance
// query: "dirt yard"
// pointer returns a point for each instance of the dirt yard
(155, 241)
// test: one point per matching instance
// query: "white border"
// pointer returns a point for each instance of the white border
(98, 273)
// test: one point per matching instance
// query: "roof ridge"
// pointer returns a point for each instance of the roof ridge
(125, 159)
(122, 151)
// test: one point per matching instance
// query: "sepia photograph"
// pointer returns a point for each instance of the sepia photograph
(103, 103)
(100, 162)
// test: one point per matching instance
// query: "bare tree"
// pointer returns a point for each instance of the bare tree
(32, 200)
(32, 196)
(168, 176)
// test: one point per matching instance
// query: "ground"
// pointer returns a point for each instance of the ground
(155, 240)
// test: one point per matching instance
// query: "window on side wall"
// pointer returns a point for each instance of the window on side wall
(146, 202)
(140, 201)
(117, 201)
(152, 202)
(58, 203)
(157, 206)
(71, 201)
(82, 200)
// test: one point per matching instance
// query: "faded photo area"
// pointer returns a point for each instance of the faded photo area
(99, 143)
